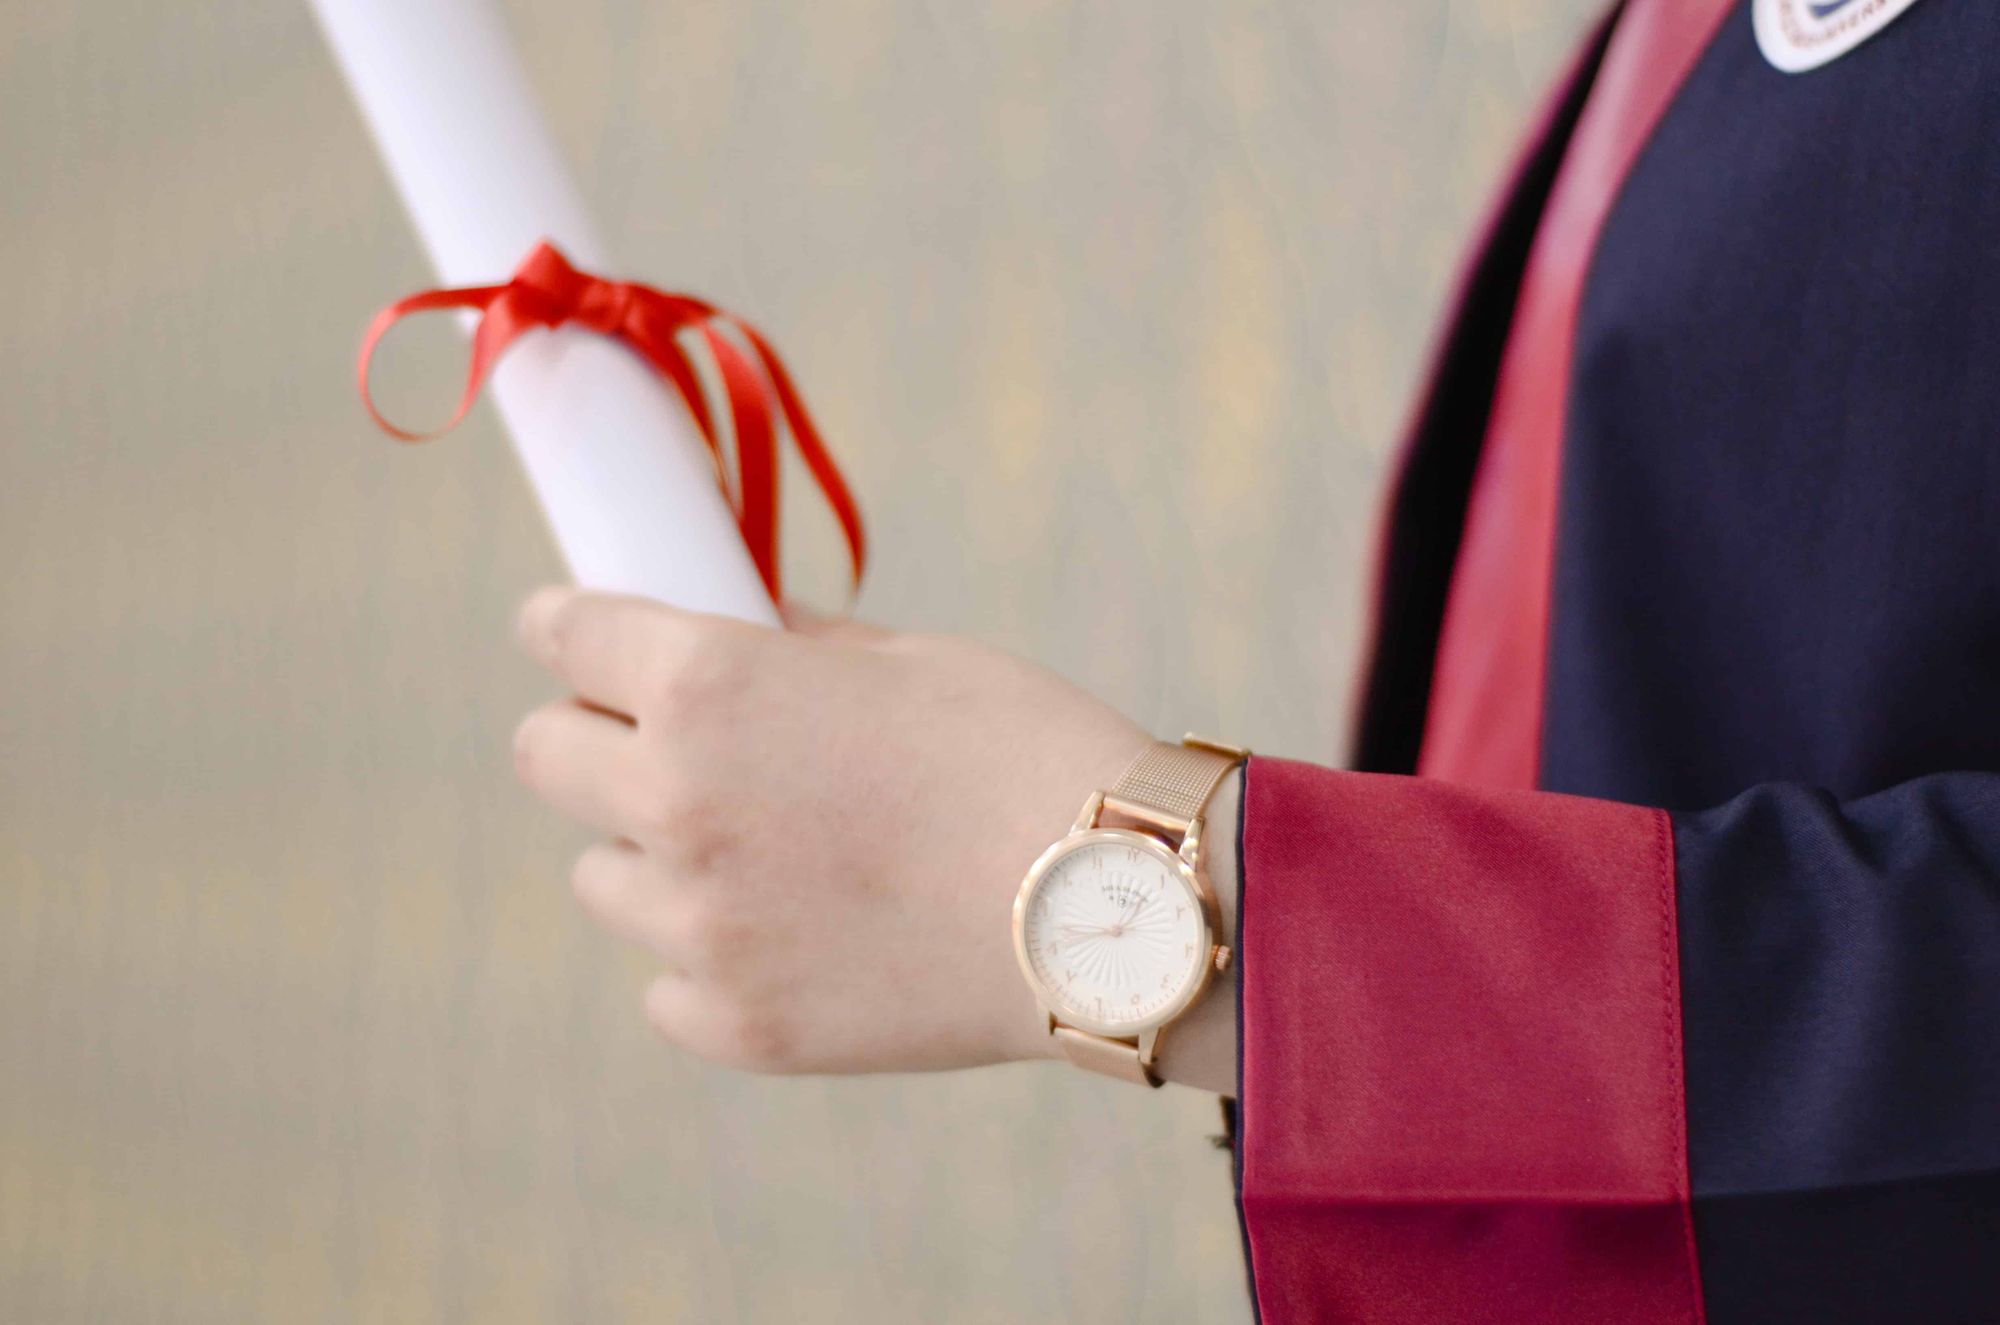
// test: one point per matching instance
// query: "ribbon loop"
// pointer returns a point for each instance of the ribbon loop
(546, 291)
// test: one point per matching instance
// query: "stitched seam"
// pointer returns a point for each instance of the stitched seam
(1676, 1107)
(1241, 1150)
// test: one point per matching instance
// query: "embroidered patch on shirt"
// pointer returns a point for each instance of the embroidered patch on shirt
(1797, 35)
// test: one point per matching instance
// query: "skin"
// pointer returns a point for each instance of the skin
(819, 832)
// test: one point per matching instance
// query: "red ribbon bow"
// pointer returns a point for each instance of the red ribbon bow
(547, 292)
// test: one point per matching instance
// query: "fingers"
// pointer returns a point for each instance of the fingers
(636, 657)
(611, 649)
(679, 1012)
(585, 763)
(692, 1016)
(695, 1005)
(622, 892)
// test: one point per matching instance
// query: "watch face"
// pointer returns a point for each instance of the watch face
(1112, 931)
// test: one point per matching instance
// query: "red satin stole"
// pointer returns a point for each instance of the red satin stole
(1485, 719)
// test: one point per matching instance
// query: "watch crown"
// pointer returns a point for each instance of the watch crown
(1221, 958)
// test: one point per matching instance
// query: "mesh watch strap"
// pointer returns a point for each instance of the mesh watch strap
(1169, 784)
(1175, 780)
(1101, 1053)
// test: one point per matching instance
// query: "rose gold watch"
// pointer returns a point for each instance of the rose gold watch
(1116, 927)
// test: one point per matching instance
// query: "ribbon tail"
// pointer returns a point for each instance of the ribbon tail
(668, 359)
(756, 456)
(817, 455)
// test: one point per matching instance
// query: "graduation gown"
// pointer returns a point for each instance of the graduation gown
(1646, 966)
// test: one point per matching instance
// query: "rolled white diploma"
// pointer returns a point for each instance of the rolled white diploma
(622, 475)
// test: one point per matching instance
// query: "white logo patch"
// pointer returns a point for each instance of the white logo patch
(1797, 35)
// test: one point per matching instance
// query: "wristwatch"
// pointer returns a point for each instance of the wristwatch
(1116, 927)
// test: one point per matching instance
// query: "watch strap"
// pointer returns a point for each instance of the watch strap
(1101, 1053)
(1175, 781)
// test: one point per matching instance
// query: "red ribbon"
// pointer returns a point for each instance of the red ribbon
(547, 292)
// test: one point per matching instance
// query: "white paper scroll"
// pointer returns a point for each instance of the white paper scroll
(622, 474)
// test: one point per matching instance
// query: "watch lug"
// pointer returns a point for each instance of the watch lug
(1092, 808)
(1149, 1045)
(1191, 841)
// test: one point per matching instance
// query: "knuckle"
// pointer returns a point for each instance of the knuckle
(735, 1033)
(699, 671)
(715, 939)
(666, 808)
(699, 933)
(678, 812)
(703, 848)
(756, 1039)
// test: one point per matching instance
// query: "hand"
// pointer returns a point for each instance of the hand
(820, 832)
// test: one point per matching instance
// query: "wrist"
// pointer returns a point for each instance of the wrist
(1199, 1049)
(1091, 760)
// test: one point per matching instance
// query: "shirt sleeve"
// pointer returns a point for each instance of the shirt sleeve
(1519, 1056)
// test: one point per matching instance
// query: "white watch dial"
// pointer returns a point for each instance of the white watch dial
(1114, 933)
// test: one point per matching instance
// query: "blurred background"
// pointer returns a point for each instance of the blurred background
(1113, 311)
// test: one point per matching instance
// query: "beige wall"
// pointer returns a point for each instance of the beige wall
(1113, 310)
